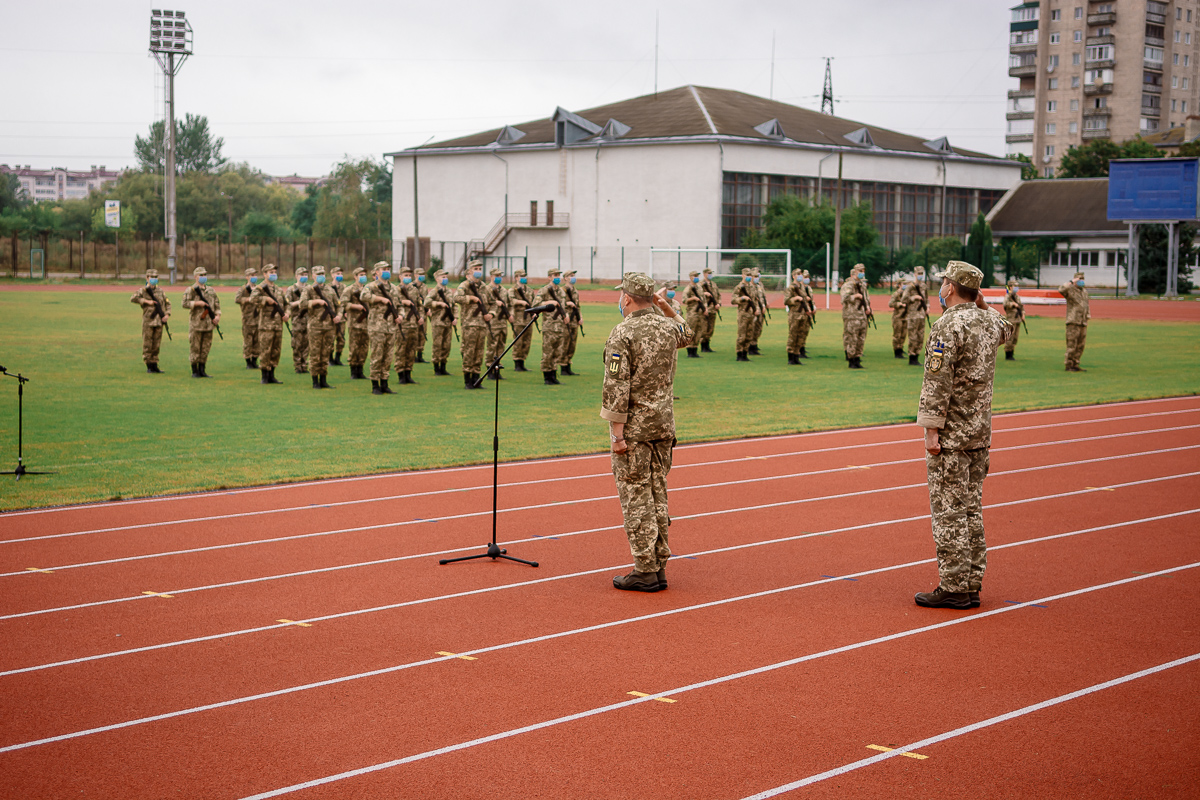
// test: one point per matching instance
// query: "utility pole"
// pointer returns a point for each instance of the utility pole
(171, 43)
(827, 93)
(837, 219)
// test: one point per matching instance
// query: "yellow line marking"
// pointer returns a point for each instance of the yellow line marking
(35, 569)
(293, 622)
(880, 747)
(659, 699)
(158, 594)
(456, 655)
(1100, 488)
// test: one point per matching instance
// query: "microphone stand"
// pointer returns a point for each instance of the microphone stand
(494, 551)
(20, 470)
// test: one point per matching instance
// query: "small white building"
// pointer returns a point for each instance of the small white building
(60, 183)
(690, 167)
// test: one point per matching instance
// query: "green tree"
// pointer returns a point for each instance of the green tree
(261, 227)
(13, 224)
(196, 150)
(42, 219)
(980, 251)
(936, 252)
(351, 206)
(1189, 149)
(793, 223)
(304, 213)
(1028, 169)
(12, 196)
(1091, 160)
(1152, 258)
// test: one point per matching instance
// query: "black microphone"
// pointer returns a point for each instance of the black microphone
(539, 309)
(3, 370)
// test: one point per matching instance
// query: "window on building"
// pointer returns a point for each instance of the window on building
(1022, 60)
(1025, 14)
(1187, 38)
(1152, 78)
(1105, 31)
(1173, 103)
(1148, 124)
(1157, 8)
(1100, 102)
(1105, 8)
(1187, 60)
(1049, 151)
(1178, 35)
(1052, 106)
(1152, 101)
(1075, 59)
(1052, 83)
(1020, 127)
(1174, 81)
(1156, 32)
(1185, 83)
(1178, 15)
(1175, 58)
(1053, 62)
(1079, 36)
(1054, 38)
(1056, 15)
(1023, 37)
(1183, 106)
(1074, 105)
(1073, 127)
(1048, 172)
(1189, 19)
(1074, 81)
(1093, 76)
(1153, 54)
(1100, 52)
(1078, 12)
(1050, 128)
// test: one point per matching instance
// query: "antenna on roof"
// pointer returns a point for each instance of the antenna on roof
(827, 94)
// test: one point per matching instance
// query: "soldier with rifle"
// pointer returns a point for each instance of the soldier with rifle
(475, 315)
(339, 331)
(574, 321)
(795, 300)
(299, 318)
(272, 316)
(439, 309)
(554, 326)
(412, 319)
(696, 303)
(383, 302)
(899, 319)
(499, 304)
(1014, 312)
(521, 299)
(354, 310)
(856, 311)
(712, 298)
(746, 300)
(916, 301)
(249, 318)
(205, 317)
(156, 310)
(761, 319)
(324, 313)
(423, 331)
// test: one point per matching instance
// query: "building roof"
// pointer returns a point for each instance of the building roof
(691, 112)
(1055, 207)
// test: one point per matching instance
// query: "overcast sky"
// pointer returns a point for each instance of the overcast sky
(294, 87)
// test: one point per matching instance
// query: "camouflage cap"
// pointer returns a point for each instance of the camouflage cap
(860, 267)
(494, 271)
(475, 264)
(301, 271)
(151, 273)
(755, 272)
(693, 274)
(359, 271)
(318, 270)
(918, 270)
(270, 268)
(746, 271)
(670, 285)
(805, 273)
(637, 284)
(1077, 276)
(797, 272)
(518, 273)
(336, 269)
(570, 272)
(554, 271)
(380, 265)
(198, 271)
(708, 271)
(964, 274)
(251, 271)
(440, 272)
(1013, 282)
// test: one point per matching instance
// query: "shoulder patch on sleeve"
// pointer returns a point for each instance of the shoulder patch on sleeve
(937, 352)
(614, 363)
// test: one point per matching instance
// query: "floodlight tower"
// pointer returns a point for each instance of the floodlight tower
(171, 44)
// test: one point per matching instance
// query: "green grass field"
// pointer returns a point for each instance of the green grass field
(109, 429)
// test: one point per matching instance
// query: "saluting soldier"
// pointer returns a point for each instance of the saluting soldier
(855, 304)
(156, 311)
(439, 309)
(955, 410)
(354, 321)
(1014, 312)
(795, 300)
(712, 297)
(639, 375)
(299, 320)
(521, 300)
(383, 329)
(899, 318)
(472, 299)
(412, 319)
(272, 313)
(746, 300)
(423, 330)
(1078, 315)
(574, 320)
(205, 313)
(249, 318)
(324, 312)
(339, 330)
(501, 308)
(697, 306)
(554, 326)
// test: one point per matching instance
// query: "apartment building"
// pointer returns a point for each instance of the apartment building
(59, 183)
(1114, 69)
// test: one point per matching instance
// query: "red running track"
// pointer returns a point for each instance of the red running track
(310, 645)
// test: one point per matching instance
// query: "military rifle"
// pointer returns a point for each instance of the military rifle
(866, 306)
(389, 309)
(325, 308)
(576, 315)
(449, 312)
(528, 304)
(205, 314)
(158, 312)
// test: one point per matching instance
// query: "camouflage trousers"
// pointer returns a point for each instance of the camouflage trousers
(250, 336)
(757, 327)
(695, 321)
(320, 347)
(799, 325)
(422, 336)
(569, 346)
(899, 330)
(496, 341)
(199, 343)
(745, 331)
(270, 341)
(300, 346)
(339, 338)
(441, 342)
(474, 339)
(710, 325)
(151, 342)
(359, 342)
(1076, 336)
(956, 504)
(406, 347)
(520, 350)
(383, 351)
(1011, 345)
(641, 474)
(854, 336)
(554, 343)
(916, 334)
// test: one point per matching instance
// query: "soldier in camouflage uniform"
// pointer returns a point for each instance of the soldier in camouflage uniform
(383, 328)
(520, 299)
(354, 313)
(899, 318)
(697, 306)
(299, 319)
(412, 320)
(472, 298)
(956, 412)
(554, 326)
(1014, 312)
(795, 300)
(153, 318)
(423, 330)
(639, 373)
(205, 313)
(324, 313)
(339, 330)
(500, 304)
(855, 305)
(249, 319)
(916, 299)
(712, 297)
(760, 320)
(809, 320)
(574, 321)
(746, 300)
(439, 310)
(1077, 320)
(272, 312)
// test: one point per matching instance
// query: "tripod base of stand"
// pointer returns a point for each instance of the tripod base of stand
(20, 470)
(493, 552)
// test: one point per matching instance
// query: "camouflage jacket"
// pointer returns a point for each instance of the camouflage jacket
(201, 317)
(320, 317)
(796, 299)
(150, 316)
(291, 298)
(639, 374)
(960, 364)
(519, 294)
(711, 288)
(571, 294)
(352, 293)
(499, 297)
(439, 294)
(852, 305)
(1077, 303)
(249, 309)
(270, 315)
(916, 300)
(471, 313)
(897, 303)
(411, 316)
(551, 319)
(1014, 309)
(380, 316)
(744, 297)
(694, 299)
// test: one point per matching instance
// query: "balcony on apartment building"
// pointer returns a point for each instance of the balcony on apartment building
(1152, 88)
(1102, 133)
(1154, 41)
(1156, 19)
(1151, 111)
(1097, 112)
(1023, 47)
(1090, 89)
(1022, 66)
(1108, 39)
(1106, 18)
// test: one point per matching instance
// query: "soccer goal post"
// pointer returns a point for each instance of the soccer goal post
(675, 263)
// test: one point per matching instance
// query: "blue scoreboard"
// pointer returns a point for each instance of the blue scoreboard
(1154, 189)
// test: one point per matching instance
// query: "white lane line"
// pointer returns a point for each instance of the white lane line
(553, 636)
(764, 479)
(516, 509)
(559, 459)
(975, 726)
(495, 737)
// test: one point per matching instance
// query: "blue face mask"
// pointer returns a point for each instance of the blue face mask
(670, 294)
(272, 277)
(572, 280)
(203, 279)
(445, 281)
(362, 279)
(320, 279)
(695, 280)
(746, 278)
(557, 281)
(303, 279)
(407, 281)
(496, 280)
(421, 278)
(1014, 290)
(339, 278)
(476, 274)
(152, 281)
(805, 281)
(385, 275)
(253, 280)
(1080, 282)
(621, 306)
(524, 280)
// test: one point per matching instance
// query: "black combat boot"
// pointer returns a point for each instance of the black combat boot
(494, 375)
(899, 352)
(149, 367)
(336, 360)
(469, 381)
(401, 378)
(693, 352)
(566, 370)
(249, 363)
(421, 357)
(408, 378)
(325, 382)
(1009, 355)
(856, 363)
(519, 366)
(316, 382)
(384, 388)
(804, 352)
(266, 376)
(271, 378)
(550, 378)
(914, 360)
(793, 359)
(705, 347)
(754, 350)
(362, 375)
(195, 370)
(375, 387)
(741, 356)
(203, 373)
